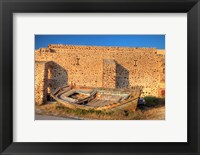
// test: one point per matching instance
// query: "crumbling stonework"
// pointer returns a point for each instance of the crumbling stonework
(109, 73)
(41, 81)
(86, 66)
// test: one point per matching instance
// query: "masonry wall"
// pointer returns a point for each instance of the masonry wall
(109, 73)
(41, 82)
(83, 65)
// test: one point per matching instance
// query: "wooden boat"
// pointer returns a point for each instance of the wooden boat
(89, 98)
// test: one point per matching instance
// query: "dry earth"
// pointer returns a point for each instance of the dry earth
(55, 112)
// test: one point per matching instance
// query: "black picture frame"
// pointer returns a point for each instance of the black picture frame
(8, 7)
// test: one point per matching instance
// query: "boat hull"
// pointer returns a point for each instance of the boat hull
(129, 99)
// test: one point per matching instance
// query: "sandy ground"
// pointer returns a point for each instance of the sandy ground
(49, 112)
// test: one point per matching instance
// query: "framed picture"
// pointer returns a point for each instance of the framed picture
(99, 77)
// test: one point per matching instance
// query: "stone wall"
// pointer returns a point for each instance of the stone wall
(84, 65)
(41, 81)
(48, 77)
(109, 73)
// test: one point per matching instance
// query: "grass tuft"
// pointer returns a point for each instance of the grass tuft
(82, 111)
(153, 101)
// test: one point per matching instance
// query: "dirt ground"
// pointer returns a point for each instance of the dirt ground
(56, 112)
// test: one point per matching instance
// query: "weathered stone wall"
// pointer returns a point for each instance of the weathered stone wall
(48, 77)
(109, 73)
(41, 81)
(83, 65)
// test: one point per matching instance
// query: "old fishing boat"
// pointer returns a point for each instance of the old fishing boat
(89, 98)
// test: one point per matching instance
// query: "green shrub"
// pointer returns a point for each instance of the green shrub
(154, 101)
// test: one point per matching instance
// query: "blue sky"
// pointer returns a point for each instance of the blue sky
(157, 41)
